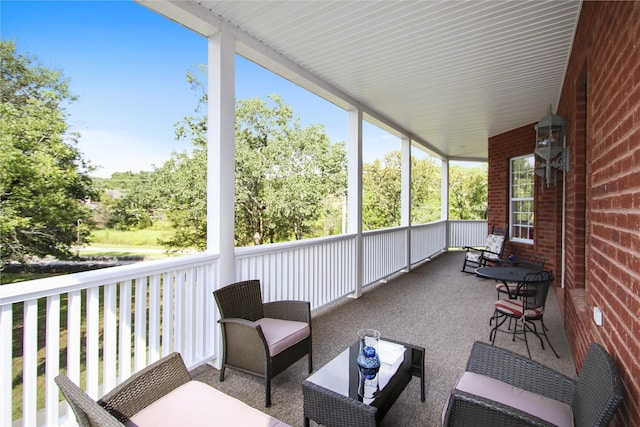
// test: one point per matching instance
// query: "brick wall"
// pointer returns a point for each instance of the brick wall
(502, 148)
(607, 165)
(600, 101)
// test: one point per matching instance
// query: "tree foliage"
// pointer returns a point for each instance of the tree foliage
(284, 173)
(43, 180)
(382, 191)
(467, 193)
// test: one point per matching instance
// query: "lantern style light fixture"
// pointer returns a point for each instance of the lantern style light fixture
(550, 148)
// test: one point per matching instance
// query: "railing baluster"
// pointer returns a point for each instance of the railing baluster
(52, 361)
(30, 362)
(6, 363)
(124, 336)
(154, 318)
(110, 340)
(140, 324)
(74, 305)
(178, 330)
(167, 312)
(92, 334)
(189, 313)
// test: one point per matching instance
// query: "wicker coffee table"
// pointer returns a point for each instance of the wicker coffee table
(331, 394)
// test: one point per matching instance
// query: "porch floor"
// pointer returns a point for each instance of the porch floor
(435, 306)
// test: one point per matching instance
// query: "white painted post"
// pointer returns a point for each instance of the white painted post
(405, 194)
(444, 197)
(354, 189)
(221, 161)
(221, 152)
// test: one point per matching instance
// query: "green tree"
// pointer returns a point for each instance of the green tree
(285, 174)
(467, 192)
(426, 183)
(137, 206)
(43, 180)
(382, 192)
(181, 182)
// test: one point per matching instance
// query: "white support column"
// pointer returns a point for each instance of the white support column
(354, 189)
(405, 194)
(444, 195)
(221, 153)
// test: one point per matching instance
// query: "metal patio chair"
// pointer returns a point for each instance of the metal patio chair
(527, 309)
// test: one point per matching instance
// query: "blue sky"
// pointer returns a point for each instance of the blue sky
(128, 65)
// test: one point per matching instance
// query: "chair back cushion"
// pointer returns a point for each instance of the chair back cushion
(282, 334)
(241, 300)
(553, 411)
(495, 242)
(198, 404)
(598, 389)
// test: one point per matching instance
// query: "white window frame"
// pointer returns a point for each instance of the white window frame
(522, 200)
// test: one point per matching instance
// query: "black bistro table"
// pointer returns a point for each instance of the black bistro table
(505, 274)
(508, 276)
(331, 395)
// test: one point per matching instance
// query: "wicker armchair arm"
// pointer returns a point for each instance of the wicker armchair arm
(146, 386)
(87, 411)
(521, 372)
(465, 409)
(245, 346)
(299, 311)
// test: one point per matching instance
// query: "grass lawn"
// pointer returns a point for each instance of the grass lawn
(147, 238)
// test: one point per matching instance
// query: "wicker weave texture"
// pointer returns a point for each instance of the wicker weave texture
(329, 408)
(244, 345)
(594, 397)
(240, 300)
(146, 386)
(598, 390)
(87, 411)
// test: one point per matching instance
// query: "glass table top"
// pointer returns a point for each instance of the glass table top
(342, 376)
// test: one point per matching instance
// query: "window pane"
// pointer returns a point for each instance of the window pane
(522, 193)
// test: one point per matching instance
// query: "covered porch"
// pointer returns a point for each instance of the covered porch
(434, 306)
(488, 101)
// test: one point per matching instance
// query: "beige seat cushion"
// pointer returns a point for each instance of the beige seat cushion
(553, 411)
(197, 404)
(282, 334)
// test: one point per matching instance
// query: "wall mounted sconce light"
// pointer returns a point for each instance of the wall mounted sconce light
(550, 149)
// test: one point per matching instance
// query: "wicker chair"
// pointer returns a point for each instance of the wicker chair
(591, 400)
(130, 397)
(254, 332)
(492, 252)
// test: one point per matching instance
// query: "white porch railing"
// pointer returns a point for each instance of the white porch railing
(467, 233)
(133, 314)
(110, 323)
(317, 270)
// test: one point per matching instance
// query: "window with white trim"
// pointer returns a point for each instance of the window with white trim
(521, 198)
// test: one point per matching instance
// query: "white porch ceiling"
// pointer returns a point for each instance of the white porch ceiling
(448, 74)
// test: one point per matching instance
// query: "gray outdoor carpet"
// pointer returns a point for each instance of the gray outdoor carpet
(435, 306)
